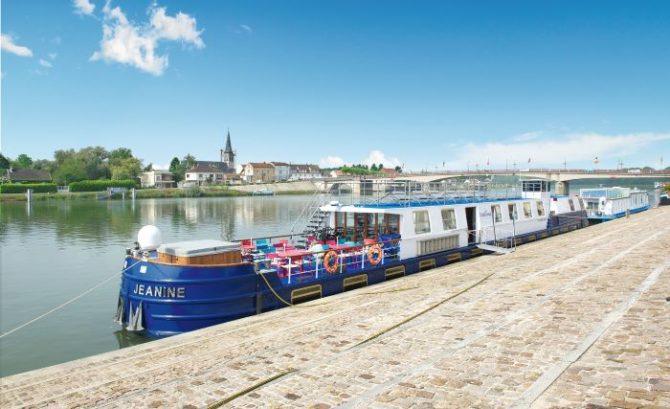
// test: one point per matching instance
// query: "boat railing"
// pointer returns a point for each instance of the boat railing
(297, 265)
(409, 193)
(304, 216)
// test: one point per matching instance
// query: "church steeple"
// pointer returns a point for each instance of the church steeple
(227, 154)
(229, 148)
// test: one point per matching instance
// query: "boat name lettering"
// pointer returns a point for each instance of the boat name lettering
(160, 291)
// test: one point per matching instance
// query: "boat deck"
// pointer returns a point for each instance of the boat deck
(575, 320)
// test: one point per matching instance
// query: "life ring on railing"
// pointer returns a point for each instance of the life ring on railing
(375, 254)
(330, 262)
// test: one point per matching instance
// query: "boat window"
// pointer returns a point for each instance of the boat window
(572, 204)
(497, 213)
(540, 208)
(511, 209)
(359, 231)
(381, 223)
(527, 213)
(392, 224)
(581, 204)
(371, 226)
(339, 220)
(448, 219)
(421, 221)
(349, 231)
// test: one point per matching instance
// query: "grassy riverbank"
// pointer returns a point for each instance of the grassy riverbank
(214, 191)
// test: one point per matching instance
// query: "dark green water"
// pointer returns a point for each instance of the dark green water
(53, 251)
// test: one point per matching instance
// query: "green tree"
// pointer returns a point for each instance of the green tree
(123, 165)
(95, 161)
(129, 168)
(149, 167)
(373, 167)
(188, 162)
(61, 156)
(45, 165)
(23, 161)
(398, 169)
(380, 167)
(4, 162)
(70, 170)
(175, 167)
(185, 164)
(120, 153)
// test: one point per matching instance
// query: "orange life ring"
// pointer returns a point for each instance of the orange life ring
(375, 254)
(330, 262)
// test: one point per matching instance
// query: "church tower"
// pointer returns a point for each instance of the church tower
(227, 154)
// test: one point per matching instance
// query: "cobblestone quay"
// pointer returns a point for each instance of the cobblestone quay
(577, 320)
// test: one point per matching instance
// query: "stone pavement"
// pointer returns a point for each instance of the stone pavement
(577, 320)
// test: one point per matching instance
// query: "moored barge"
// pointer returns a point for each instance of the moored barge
(170, 288)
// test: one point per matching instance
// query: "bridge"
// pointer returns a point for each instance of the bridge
(555, 175)
(561, 177)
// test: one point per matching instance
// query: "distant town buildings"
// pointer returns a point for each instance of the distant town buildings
(254, 172)
(224, 172)
(282, 170)
(213, 172)
(301, 172)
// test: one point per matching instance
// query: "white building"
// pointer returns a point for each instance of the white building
(202, 174)
(300, 172)
(157, 178)
(282, 170)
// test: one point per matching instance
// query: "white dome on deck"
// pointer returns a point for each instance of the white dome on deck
(149, 237)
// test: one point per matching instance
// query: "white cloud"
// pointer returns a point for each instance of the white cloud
(182, 27)
(242, 29)
(575, 148)
(331, 162)
(45, 63)
(127, 43)
(83, 7)
(528, 136)
(52, 56)
(7, 44)
(376, 157)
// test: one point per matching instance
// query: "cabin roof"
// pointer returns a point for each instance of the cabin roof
(414, 204)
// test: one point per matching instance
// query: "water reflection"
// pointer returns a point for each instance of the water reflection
(128, 339)
(55, 250)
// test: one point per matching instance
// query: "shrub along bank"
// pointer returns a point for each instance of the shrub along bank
(22, 188)
(100, 185)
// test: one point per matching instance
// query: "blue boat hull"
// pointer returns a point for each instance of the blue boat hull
(606, 218)
(166, 299)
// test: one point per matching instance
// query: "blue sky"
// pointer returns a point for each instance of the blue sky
(423, 83)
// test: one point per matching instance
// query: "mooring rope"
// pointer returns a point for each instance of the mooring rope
(70, 301)
(279, 297)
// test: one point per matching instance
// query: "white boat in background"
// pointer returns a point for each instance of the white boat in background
(608, 203)
(263, 192)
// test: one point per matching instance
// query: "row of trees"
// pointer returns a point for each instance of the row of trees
(93, 163)
(359, 169)
(90, 163)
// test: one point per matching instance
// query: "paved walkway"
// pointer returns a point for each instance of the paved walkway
(577, 320)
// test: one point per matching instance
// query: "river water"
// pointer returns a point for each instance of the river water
(51, 252)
